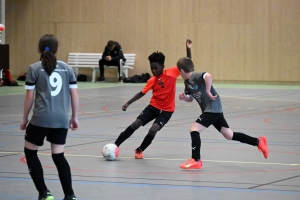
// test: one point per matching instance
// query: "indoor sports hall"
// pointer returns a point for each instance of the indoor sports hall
(251, 49)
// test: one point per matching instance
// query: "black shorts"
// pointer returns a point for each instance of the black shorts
(149, 113)
(36, 135)
(215, 119)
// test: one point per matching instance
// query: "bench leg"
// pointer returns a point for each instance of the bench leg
(94, 76)
(125, 71)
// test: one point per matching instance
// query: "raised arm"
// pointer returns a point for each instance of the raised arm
(188, 48)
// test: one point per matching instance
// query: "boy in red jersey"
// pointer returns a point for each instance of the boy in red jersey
(162, 103)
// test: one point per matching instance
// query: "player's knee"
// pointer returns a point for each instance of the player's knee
(152, 131)
(227, 137)
(136, 124)
(59, 159)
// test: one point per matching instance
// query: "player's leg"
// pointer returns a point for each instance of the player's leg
(128, 131)
(57, 137)
(34, 138)
(161, 119)
(145, 116)
(147, 141)
(101, 70)
(261, 142)
(195, 161)
(203, 122)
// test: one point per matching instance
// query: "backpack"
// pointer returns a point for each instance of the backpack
(138, 78)
(81, 78)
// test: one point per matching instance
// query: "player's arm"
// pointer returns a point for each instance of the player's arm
(73, 124)
(133, 99)
(185, 97)
(208, 82)
(28, 102)
(188, 48)
(105, 52)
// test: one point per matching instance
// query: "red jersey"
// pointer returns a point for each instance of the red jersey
(163, 89)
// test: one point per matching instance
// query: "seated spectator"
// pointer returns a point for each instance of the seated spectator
(111, 57)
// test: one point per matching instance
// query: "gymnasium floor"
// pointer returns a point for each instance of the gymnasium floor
(231, 170)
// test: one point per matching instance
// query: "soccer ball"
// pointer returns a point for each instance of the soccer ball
(110, 152)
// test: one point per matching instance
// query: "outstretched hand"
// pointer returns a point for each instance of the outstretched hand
(188, 43)
(184, 97)
(125, 106)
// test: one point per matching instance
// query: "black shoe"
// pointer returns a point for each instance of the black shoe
(71, 197)
(46, 196)
(120, 80)
(101, 79)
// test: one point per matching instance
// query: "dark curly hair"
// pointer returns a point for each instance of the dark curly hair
(157, 57)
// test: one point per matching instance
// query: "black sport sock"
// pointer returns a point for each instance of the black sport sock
(241, 137)
(35, 170)
(64, 173)
(124, 136)
(146, 142)
(196, 145)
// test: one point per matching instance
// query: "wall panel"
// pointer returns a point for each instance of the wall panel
(234, 40)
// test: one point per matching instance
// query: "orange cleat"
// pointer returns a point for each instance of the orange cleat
(139, 154)
(191, 164)
(263, 146)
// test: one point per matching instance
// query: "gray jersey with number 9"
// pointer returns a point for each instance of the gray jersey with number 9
(52, 94)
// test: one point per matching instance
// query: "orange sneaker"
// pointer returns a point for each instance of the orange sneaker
(191, 164)
(139, 154)
(263, 146)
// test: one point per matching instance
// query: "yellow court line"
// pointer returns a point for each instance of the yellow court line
(258, 99)
(170, 159)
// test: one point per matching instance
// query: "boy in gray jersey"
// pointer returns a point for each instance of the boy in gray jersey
(53, 84)
(198, 86)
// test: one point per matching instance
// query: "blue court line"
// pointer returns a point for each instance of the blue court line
(207, 188)
(3, 196)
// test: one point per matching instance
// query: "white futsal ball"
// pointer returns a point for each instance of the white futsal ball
(110, 152)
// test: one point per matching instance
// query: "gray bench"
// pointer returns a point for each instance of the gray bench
(91, 60)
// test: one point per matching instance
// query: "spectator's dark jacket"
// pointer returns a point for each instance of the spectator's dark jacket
(116, 53)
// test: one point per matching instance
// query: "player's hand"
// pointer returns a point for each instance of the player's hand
(212, 97)
(125, 106)
(184, 97)
(73, 124)
(108, 58)
(188, 43)
(23, 124)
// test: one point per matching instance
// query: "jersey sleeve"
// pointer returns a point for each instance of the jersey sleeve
(173, 71)
(148, 85)
(72, 80)
(30, 79)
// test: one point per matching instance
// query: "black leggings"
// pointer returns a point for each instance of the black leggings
(103, 62)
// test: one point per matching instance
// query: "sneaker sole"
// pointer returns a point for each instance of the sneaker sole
(191, 168)
(264, 140)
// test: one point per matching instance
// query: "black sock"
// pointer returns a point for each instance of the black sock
(124, 136)
(196, 144)
(241, 137)
(64, 173)
(35, 170)
(146, 142)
